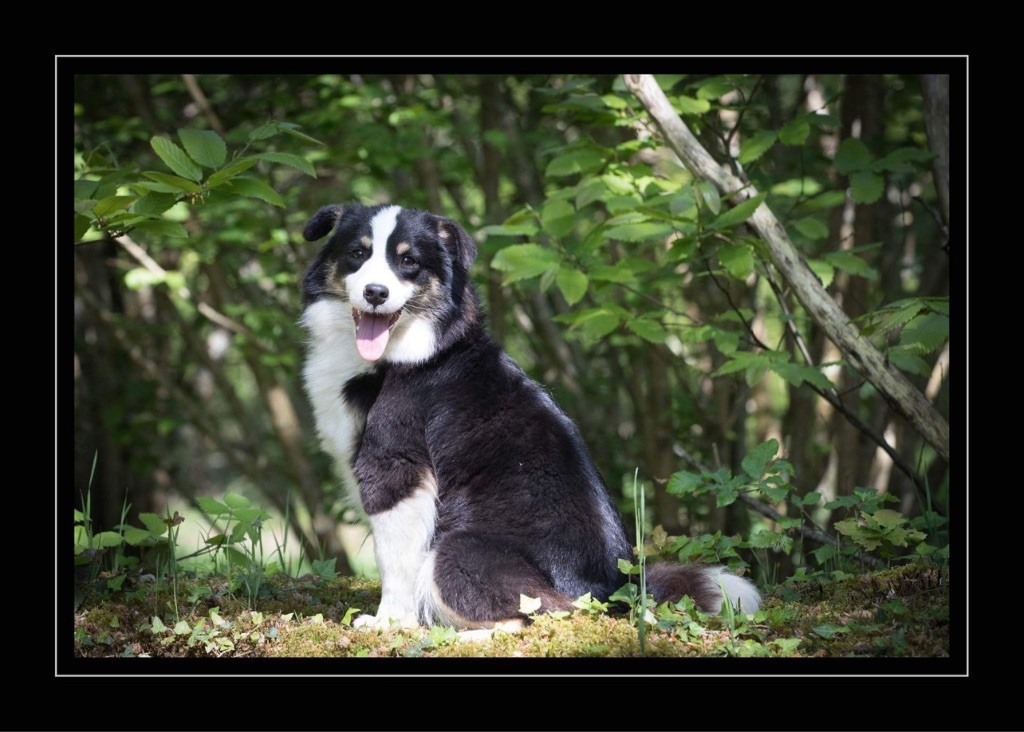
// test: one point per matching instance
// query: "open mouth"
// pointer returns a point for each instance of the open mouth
(373, 331)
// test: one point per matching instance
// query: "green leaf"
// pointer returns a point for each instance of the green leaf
(162, 227)
(82, 224)
(756, 145)
(135, 536)
(811, 227)
(182, 628)
(176, 159)
(786, 645)
(798, 373)
(627, 567)
(851, 263)
(684, 483)
(212, 507)
(866, 187)
(689, 106)
(825, 271)
(325, 567)
(904, 358)
(811, 498)
(903, 160)
(639, 231)
(253, 188)
(558, 218)
(598, 324)
(235, 501)
(829, 630)
(523, 261)
(585, 160)
(649, 330)
(350, 612)
(292, 161)
(771, 540)
(110, 204)
(173, 182)
(738, 260)
(590, 191)
(799, 188)
(737, 214)
(106, 539)
(796, 132)
(613, 102)
(926, 332)
(290, 128)
(157, 625)
(204, 146)
(154, 203)
(264, 132)
(755, 461)
(852, 156)
(887, 518)
(230, 171)
(714, 89)
(709, 193)
(572, 283)
(153, 522)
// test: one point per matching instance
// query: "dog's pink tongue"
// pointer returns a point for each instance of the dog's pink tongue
(372, 335)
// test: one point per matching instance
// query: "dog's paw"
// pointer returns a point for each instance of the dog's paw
(384, 622)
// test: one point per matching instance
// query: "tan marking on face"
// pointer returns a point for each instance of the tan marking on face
(402, 248)
(442, 232)
(366, 241)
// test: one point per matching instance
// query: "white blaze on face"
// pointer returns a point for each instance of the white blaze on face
(374, 322)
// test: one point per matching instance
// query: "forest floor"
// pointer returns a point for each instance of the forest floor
(902, 611)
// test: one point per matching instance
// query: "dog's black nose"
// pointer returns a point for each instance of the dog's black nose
(375, 294)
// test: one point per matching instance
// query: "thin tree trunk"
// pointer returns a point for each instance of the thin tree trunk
(935, 90)
(859, 351)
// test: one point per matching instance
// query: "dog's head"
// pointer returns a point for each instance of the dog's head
(402, 274)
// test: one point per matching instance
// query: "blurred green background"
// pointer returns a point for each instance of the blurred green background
(594, 264)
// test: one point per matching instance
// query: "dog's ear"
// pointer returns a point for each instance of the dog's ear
(460, 244)
(324, 221)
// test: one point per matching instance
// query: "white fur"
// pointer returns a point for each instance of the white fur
(741, 591)
(402, 537)
(376, 270)
(413, 340)
(331, 361)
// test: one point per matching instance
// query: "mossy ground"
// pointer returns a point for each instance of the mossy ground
(894, 612)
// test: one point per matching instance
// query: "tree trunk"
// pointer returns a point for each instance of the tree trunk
(935, 89)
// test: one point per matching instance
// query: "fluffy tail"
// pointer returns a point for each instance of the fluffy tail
(669, 582)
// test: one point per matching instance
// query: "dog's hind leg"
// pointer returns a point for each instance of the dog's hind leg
(469, 581)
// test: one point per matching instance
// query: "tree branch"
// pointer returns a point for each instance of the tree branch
(858, 350)
(196, 92)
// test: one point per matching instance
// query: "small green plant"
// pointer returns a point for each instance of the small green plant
(239, 539)
(882, 532)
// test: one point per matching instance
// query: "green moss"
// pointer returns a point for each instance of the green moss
(902, 611)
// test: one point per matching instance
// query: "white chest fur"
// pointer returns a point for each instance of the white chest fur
(331, 361)
(402, 534)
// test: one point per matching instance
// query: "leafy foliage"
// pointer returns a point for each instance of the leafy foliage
(637, 293)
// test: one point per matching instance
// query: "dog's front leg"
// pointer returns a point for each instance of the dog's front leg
(401, 536)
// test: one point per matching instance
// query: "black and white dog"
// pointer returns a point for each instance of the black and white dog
(478, 488)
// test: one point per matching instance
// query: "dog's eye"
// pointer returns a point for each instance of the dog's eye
(357, 253)
(408, 261)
